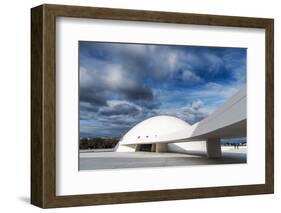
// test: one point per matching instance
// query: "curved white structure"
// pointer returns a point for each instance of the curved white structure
(158, 129)
(154, 134)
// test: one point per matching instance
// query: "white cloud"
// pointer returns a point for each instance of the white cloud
(217, 90)
(197, 104)
(214, 62)
(188, 75)
(114, 103)
(114, 77)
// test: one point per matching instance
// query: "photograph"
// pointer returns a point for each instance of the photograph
(158, 105)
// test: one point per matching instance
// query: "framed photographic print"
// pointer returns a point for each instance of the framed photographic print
(136, 106)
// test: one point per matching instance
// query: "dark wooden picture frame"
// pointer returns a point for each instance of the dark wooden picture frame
(43, 105)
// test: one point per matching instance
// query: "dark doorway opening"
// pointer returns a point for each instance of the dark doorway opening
(145, 147)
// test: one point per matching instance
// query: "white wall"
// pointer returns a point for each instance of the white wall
(197, 146)
(15, 103)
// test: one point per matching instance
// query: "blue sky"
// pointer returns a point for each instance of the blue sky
(122, 84)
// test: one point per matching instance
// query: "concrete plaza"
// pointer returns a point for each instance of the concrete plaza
(90, 160)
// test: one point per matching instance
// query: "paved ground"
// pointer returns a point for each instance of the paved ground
(117, 160)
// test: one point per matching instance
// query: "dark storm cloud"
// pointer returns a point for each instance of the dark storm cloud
(122, 84)
(138, 93)
(89, 95)
(101, 81)
(119, 109)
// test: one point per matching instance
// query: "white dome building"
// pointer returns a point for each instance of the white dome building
(156, 130)
(153, 134)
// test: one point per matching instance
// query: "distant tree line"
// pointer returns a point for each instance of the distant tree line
(98, 143)
(234, 142)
